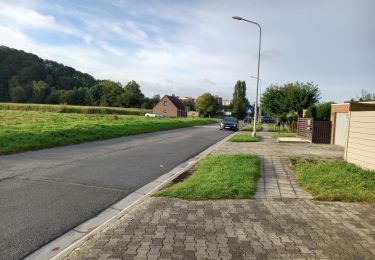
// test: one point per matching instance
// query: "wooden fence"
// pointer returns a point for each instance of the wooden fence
(316, 131)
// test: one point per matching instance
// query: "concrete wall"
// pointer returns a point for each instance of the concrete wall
(361, 139)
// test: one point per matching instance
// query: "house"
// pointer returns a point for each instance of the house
(353, 126)
(170, 106)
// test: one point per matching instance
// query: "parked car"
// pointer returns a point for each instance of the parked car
(155, 115)
(229, 122)
(267, 119)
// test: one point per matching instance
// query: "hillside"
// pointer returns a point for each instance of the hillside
(19, 67)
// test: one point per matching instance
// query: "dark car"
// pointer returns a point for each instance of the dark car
(267, 119)
(229, 123)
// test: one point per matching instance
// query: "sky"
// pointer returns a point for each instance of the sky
(188, 48)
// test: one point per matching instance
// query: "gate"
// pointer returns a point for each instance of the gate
(315, 131)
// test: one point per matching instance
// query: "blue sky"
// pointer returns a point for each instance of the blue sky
(191, 47)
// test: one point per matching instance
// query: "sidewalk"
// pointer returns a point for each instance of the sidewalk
(280, 223)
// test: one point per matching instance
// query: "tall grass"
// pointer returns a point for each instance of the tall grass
(73, 109)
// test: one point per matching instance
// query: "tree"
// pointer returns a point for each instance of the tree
(132, 96)
(40, 91)
(366, 96)
(311, 111)
(323, 110)
(240, 102)
(17, 94)
(206, 105)
(291, 97)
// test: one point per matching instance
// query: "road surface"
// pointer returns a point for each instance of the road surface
(45, 193)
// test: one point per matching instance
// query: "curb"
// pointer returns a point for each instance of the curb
(66, 243)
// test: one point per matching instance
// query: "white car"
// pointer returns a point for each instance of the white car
(156, 115)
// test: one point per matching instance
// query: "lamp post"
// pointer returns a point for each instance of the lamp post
(260, 97)
(256, 98)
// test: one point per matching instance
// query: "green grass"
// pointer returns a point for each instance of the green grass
(335, 180)
(273, 128)
(73, 109)
(284, 135)
(244, 138)
(225, 176)
(250, 127)
(28, 130)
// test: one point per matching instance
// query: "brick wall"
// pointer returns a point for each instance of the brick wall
(166, 107)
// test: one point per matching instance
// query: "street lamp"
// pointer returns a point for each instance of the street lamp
(260, 98)
(256, 99)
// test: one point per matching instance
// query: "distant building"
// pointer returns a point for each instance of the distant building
(225, 105)
(170, 106)
(219, 100)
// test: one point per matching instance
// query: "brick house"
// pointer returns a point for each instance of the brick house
(170, 106)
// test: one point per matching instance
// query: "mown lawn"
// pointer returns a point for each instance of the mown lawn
(244, 138)
(335, 180)
(28, 130)
(225, 176)
(250, 127)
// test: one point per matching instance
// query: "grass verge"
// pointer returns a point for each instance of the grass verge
(29, 130)
(335, 180)
(224, 176)
(74, 109)
(244, 138)
(274, 128)
(250, 127)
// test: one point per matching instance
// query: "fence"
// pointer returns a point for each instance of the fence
(315, 131)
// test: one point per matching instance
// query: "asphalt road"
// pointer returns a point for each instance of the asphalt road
(45, 193)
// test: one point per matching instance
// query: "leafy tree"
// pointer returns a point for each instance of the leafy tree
(17, 94)
(311, 111)
(240, 102)
(53, 97)
(206, 105)
(291, 97)
(132, 96)
(40, 91)
(323, 110)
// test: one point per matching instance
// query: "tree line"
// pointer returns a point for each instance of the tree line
(24, 77)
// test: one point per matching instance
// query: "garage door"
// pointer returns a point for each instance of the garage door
(341, 128)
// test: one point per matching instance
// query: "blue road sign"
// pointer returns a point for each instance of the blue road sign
(249, 110)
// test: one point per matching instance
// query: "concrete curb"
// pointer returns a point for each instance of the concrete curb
(74, 238)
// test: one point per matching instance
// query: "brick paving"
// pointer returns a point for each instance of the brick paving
(280, 223)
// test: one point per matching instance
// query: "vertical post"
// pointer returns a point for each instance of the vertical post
(256, 98)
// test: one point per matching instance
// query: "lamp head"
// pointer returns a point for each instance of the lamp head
(237, 17)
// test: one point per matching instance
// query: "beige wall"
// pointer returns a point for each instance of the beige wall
(361, 139)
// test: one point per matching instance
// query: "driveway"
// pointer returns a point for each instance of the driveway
(45, 193)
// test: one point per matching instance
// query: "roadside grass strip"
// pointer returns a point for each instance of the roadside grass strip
(274, 128)
(250, 127)
(244, 138)
(30, 130)
(284, 135)
(224, 176)
(335, 180)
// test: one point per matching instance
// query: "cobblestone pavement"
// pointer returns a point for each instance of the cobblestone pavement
(281, 223)
(277, 180)
(161, 228)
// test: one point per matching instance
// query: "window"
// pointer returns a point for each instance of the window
(165, 103)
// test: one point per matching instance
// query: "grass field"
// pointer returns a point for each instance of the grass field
(28, 130)
(73, 109)
(250, 127)
(335, 180)
(225, 176)
(244, 138)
